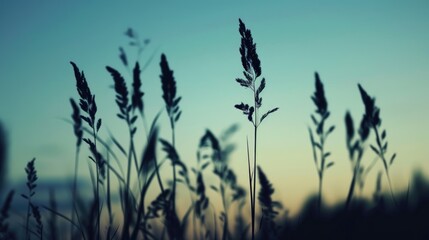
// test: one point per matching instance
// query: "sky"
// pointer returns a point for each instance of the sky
(382, 45)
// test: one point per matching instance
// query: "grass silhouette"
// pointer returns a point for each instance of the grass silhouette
(129, 212)
(31, 185)
(252, 70)
(174, 113)
(318, 145)
(268, 207)
(373, 120)
(126, 114)
(88, 105)
(356, 149)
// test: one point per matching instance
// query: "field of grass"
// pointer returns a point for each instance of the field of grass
(131, 198)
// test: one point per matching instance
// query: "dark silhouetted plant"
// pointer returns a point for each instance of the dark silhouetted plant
(172, 221)
(268, 207)
(126, 114)
(123, 56)
(211, 152)
(169, 95)
(173, 111)
(38, 219)
(159, 207)
(320, 155)
(147, 170)
(355, 147)
(252, 70)
(373, 120)
(107, 146)
(77, 123)
(228, 188)
(137, 94)
(201, 203)
(88, 105)
(31, 172)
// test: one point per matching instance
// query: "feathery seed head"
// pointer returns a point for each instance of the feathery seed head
(319, 97)
(169, 91)
(120, 89)
(364, 129)
(350, 131)
(137, 101)
(372, 112)
(249, 57)
(168, 82)
(87, 100)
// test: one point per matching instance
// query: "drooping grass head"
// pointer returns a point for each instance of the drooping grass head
(372, 112)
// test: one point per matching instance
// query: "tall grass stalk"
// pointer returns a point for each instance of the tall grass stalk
(118, 174)
(88, 105)
(148, 169)
(173, 111)
(210, 149)
(172, 223)
(31, 172)
(153, 128)
(252, 70)
(318, 145)
(355, 148)
(126, 114)
(373, 120)
(269, 207)
(229, 190)
(38, 218)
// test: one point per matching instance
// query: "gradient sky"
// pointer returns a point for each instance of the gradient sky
(381, 44)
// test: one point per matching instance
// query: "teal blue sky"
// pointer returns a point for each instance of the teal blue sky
(381, 44)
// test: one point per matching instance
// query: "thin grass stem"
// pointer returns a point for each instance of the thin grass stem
(386, 167)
